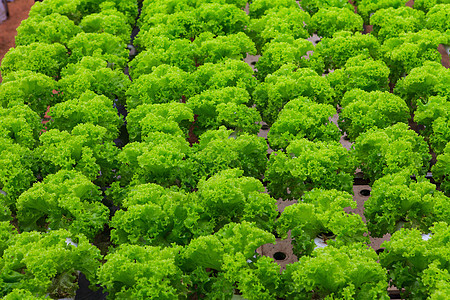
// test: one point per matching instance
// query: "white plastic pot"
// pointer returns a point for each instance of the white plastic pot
(426, 237)
(320, 243)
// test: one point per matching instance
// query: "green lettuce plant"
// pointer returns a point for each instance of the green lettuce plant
(335, 51)
(366, 110)
(349, 272)
(89, 108)
(76, 9)
(53, 28)
(303, 118)
(360, 72)
(379, 152)
(221, 19)
(287, 83)
(228, 196)
(162, 50)
(229, 72)
(390, 22)
(21, 125)
(426, 5)
(152, 215)
(47, 59)
(419, 267)
(87, 149)
(435, 116)
(438, 16)
(104, 45)
(212, 49)
(46, 264)
(222, 149)
(313, 6)
(18, 171)
(92, 74)
(160, 158)
(164, 84)
(71, 9)
(276, 22)
(321, 213)
(217, 264)
(306, 165)
(328, 21)
(169, 118)
(109, 21)
(283, 50)
(259, 8)
(64, 200)
(133, 271)
(30, 88)
(224, 106)
(368, 7)
(180, 23)
(429, 79)
(410, 50)
(397, 201)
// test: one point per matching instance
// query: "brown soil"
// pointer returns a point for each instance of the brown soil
(18, 11)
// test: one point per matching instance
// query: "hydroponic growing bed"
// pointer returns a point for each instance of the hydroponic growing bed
(170, 168)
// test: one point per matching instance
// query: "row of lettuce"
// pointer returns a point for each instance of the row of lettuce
(185, 216)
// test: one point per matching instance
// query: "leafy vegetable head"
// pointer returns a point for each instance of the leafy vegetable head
(422, 82)
(391, 22)
(104, 45)
(366, 8)
(386, 151)
(223, 149)
(366, 110)
(134, 271)
(328, 21)
(313, 6)
(283, 51)
(20, 124)
(303, 118)
(30, 88)
(360, 72)
(287, 83)
(420, 267)
(160, 158)
(258, 8)
(224, 106)
(86, 149)
(47, 263)
(336, 51)
(17, 173)
(109, 21)
(47, 59)
(88, 108)
(307, 165)
(53, 28)
(229, 197)
(171, 118)
(276, 22)
(66, 200)
(397, 201)
(410, 50)
(350, 272)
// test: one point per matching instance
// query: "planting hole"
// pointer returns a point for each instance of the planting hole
(379, 251)
(365, 193)
(279, 256)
